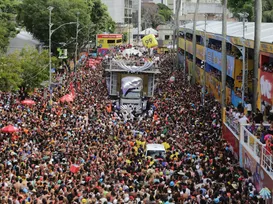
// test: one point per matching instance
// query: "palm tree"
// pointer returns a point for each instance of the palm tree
(267, 11)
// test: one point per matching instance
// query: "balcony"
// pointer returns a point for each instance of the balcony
(252, 153)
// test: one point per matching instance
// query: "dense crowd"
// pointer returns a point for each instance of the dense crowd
(35, 164)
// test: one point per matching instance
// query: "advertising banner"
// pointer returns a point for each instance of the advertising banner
(235, 99)
(261, 178)
(214, 58)
(232, 140)
(200, 52)
(149, 41)
(266, 86)
(214, 86)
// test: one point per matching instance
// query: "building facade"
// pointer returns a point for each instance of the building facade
(120, 10)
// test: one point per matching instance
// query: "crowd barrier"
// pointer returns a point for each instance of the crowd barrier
(249, 141)
(234, 125)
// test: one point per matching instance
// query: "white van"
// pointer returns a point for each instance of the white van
(153, 150)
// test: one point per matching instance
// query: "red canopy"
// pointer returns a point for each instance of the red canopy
(67, 98)
(28, 102)
(10, 129)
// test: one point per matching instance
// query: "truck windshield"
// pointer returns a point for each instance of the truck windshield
(156, 154)
(132, 94)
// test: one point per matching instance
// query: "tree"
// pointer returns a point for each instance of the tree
(93, 17)
(155, 14)
(100, 18)
(165, 11)
(239, 6)
(267, 11)
(34, 67)
(10, 72)
(27, 69)
(8, 9)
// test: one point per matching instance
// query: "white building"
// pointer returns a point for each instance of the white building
(120, 10)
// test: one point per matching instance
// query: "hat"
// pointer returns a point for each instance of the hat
(84, 200)
(126, 199)
(181, 173)
(206, 196)
(171, 183)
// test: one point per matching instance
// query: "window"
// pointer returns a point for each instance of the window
(119, 41)
(110, 41)
(167, 37)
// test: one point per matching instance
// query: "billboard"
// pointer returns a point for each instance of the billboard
(214, 58)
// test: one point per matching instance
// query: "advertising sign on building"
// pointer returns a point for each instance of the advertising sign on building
(214, 58)
(266, 85)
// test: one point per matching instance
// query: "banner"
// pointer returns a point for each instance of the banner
(149, 41)
(213, 86)
(62, 53)
(266, 86)
(214, 58)
(200, 51)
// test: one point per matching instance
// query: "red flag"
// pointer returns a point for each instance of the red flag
(71, 89)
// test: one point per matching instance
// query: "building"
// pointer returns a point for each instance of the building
(23, 40)
(121, 13)
(120, 10)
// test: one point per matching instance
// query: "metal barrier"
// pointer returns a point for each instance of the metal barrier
(252, 142)
(267, 160)
(233, 124)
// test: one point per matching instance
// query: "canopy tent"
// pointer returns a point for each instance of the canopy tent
(131, 51)
(148, 31)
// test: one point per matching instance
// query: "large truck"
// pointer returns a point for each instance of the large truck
(130, 86)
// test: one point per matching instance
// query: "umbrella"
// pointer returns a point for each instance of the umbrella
(10, 129)
(28, 102)
(265, 193)
(67, 98)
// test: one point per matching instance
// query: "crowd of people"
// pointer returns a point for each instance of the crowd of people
(37, 164)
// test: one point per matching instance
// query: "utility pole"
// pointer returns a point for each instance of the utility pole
(178, 7)
(205, 48)
(224, 54)
(49, 53)
(258, 22)
(194, 43)
(139, 21)
(245, 71)
(76, 50)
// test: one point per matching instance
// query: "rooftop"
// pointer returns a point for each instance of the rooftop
(235, 29)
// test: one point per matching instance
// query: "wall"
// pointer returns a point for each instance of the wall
(115, 9)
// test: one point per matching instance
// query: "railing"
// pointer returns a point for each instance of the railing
(252, 142)
(267, 160)
(233, 124)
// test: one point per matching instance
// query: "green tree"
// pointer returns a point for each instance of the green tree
(34, 66)
(100, 18)
(27, 68)
(124, 37)
(239, 6)
(8, 9)
(34, 15)
(93, 18)
(10, 72)
(165, 11)
(267, 11)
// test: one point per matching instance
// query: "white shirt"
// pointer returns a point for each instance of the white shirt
(249, 107)
(243, 120)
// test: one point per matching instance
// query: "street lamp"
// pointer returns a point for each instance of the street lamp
(77, 33)
(50, 8)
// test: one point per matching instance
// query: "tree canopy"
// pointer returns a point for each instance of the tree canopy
(93, 18)
(8, 10)
(155, 14)
(27, 69)
(239, 6)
